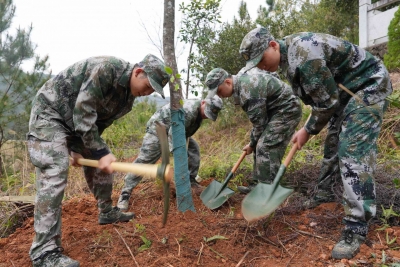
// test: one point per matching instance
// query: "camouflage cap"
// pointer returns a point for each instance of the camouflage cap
(253, 46)
(213, 106)
(155, 70)
(214, 79)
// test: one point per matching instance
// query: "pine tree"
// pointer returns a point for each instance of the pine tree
(17, 87)
(392, 57)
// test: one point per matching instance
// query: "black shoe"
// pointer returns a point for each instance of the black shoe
(115, 215)
(196, 187)
(54, 258)
(348, 245)
(246, 189)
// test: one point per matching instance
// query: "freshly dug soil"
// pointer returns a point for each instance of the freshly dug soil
(204, 238)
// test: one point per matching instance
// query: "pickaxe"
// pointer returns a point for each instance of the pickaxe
(162, 171)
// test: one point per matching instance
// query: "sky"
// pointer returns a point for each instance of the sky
(71, 30)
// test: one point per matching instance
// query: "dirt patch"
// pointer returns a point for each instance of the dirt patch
(301, 238)
(293, 236)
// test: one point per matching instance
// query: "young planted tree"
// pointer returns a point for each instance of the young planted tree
(199, 17)
(17, 87)
(181, 173)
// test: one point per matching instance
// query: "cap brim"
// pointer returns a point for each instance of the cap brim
(253, 62)
(209, 115)
(156, 86)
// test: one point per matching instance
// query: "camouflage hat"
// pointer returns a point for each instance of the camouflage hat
(253, 46)
(155, 70)
(213, 106)
(214, 79)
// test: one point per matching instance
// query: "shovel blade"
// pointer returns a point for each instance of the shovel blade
(213, 197)
(263, 200)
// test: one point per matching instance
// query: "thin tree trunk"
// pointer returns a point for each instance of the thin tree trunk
(181, 172)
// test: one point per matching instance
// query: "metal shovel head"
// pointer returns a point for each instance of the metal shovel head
(213, 197)
(265, 198)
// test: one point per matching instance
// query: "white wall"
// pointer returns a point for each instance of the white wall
(373, 24)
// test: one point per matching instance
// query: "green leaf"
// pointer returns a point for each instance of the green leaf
(396, 182)
(168, 70)
(172, 79)
(178, 76)
(146, 245)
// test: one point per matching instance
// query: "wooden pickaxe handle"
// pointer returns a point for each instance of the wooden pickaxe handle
(149, 170)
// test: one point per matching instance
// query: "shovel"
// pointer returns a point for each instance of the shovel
(216, 193)
(265, 198)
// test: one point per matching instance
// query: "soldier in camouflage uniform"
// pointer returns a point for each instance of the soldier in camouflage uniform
(315, 64)
(69, 113)
(272, 109)
(150, 152)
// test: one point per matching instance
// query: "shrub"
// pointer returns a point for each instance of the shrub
(392, 57)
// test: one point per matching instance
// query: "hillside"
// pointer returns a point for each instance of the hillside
(292, 236)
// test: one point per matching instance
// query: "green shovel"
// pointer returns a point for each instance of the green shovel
(265, 198)
(216, 193)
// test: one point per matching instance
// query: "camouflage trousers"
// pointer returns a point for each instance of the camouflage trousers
(51, 159)
(150, 153)
(271, 145)
(350, 153)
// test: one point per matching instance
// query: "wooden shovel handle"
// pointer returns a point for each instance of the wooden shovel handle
(149, 170)
(290, 155)
(239, 161)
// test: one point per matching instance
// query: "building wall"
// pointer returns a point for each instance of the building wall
(373, 24)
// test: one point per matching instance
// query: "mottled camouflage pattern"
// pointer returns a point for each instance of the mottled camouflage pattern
(51, 159)
(350, 150)
(274, 112)
(314, 64)
(70, 112)
(256, 70)
(215, 78)
(253, 46)
(155, 70)
(212, 107)
(83, 100)
(150, 151)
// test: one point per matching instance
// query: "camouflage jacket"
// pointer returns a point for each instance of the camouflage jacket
(261, 96)
(84, 99)
(193, 119)
(315, 63)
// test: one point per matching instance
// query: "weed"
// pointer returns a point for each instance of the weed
(388, 240)
(386, 215)
(140, 228)
(104, 238)
(146, 245)
(231, 212)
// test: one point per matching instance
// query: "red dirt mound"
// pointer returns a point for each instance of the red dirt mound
(204, 238)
